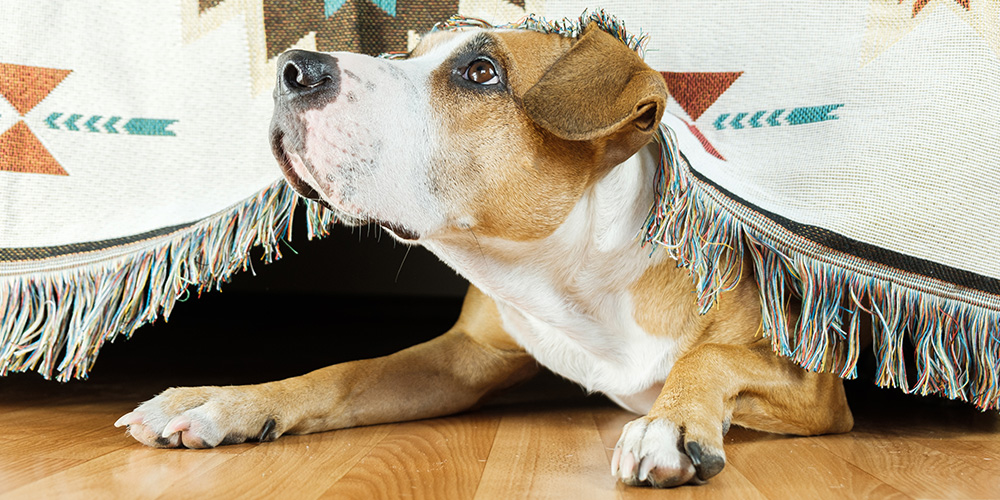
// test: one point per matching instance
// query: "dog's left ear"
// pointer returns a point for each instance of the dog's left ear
(599, 88)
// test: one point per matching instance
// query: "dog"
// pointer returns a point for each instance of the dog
(525, 161)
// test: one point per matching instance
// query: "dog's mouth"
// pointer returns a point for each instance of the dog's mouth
(296, 182)
(307, 191)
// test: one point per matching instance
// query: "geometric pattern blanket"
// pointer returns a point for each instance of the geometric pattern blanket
(849, 151)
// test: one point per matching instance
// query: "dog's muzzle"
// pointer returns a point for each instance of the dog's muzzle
(306, 80)
(309, 80)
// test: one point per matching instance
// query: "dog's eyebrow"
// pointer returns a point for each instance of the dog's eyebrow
(482, 42)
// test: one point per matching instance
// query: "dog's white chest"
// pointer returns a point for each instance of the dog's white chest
(614, 356)
(566, 298)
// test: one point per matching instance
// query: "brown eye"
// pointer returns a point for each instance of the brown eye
(483, 72)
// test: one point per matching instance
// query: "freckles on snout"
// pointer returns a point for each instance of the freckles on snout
(337, 141)
(341, 156)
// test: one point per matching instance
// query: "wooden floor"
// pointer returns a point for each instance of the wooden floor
(542, 440)
(545, 441)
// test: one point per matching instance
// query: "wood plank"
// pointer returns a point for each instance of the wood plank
(547, 453)
(80, 441)
(801, 467)
(934, 419)
(439, 458)
(78, 434)
(22, 423)
(306, 465)
(950, 428)
(136, 472)
(913, 468)
(19, 469)
(984, 454)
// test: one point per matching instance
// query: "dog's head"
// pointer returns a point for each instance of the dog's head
(495, 131)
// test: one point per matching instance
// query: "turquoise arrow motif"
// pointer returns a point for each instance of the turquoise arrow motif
(812, 114)
(736, 121)
(773, 119)
(70, 122)
(110, 124)
(720, 121)
(135, 126)
(797, 116)
(148, 126)
(51, 120)
(90, 123)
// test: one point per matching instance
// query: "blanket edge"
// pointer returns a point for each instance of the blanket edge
(955, 334)
(57, 317)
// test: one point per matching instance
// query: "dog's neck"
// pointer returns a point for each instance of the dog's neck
(593, 254)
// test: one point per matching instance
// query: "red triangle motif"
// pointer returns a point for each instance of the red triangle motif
(696, 92)
(709, 148)
(26, 86)
(21, 151)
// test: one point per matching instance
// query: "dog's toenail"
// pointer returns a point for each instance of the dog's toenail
(267, 430)
(693, 452)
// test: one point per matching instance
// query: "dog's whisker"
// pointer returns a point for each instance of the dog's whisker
(481, 251)
(408, 247)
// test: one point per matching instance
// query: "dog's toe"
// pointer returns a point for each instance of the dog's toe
(648, 453)
(130, 418)
(136, 426)
(185, 430)
(196, 417)
(656, 451)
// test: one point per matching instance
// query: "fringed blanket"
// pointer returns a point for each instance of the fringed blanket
(848, 151)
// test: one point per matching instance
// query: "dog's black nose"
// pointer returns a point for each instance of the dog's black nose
(305, 72)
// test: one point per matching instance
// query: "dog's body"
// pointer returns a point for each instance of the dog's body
(524, 161)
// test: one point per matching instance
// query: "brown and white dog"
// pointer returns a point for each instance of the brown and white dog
(523, 160)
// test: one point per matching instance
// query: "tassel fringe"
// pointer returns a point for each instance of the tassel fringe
(566, 27)
(58, 316)
(954, 341)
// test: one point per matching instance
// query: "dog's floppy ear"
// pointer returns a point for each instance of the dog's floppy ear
(596, 88)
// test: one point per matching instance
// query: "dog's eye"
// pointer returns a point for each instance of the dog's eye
(483, 72)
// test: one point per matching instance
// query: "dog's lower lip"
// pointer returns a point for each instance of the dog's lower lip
(278, 148)
(400, 231)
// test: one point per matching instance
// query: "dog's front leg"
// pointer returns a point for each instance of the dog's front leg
(680, 440)
(445, 375)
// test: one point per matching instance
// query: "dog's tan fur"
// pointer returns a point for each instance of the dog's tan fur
(554, 147)
(519, 155)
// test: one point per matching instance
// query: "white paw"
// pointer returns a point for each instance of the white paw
(196, 417)
(654, 452)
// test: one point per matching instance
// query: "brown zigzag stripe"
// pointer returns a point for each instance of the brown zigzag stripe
(358, 26)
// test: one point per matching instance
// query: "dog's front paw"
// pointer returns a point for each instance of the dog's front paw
(657, 452)
(200, 417)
